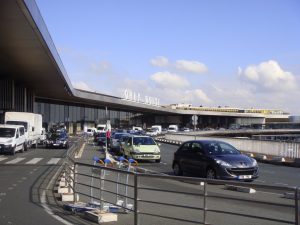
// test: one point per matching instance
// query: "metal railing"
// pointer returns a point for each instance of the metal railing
(182, 200)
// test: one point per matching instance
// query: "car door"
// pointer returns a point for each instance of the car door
(197, 159)
(18, 140)
(183, 157)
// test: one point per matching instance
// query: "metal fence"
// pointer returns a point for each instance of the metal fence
(276, 148)
(161, 199)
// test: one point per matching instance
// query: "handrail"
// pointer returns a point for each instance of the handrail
(97, 172)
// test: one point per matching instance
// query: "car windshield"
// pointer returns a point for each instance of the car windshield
(118, 135)
(7, 132)
(216, 148)
(101, 135)
(143, 141)
(17, 123)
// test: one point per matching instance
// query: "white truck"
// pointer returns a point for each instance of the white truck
(12, 138)
(32, 123)
(173, 128)
(158, 127)
(101, 128)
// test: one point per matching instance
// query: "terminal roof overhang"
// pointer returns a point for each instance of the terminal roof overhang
(29, 57)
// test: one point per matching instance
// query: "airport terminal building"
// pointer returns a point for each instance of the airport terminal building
(33, 79)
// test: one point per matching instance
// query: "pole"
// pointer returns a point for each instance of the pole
(136, 219)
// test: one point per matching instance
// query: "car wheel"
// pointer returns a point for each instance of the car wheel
(211, 174)
(25, 147)
(177, 169)
(13, 151)
(22, 149)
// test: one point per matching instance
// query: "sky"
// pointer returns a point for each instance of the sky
(243, 54)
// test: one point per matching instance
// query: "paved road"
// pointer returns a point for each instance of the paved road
(237, 204)
(26, 191)
(269, 174)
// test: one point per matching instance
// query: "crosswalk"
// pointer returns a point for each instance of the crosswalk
(29, 161)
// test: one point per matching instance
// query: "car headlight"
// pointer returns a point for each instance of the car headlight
(254, 162)
(222, 163)
(9, 141)
(135, 150)
(156, 150)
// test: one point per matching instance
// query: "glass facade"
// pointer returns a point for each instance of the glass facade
(58, 113)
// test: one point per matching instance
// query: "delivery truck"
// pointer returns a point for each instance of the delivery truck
(32, 123)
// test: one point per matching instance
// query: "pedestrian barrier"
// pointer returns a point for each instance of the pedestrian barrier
(107, 188)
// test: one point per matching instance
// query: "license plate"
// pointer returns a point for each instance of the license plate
(245, 177)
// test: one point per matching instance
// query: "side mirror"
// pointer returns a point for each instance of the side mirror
(32, 128)
(17, 136)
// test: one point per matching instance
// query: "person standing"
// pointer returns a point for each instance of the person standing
(108, 135)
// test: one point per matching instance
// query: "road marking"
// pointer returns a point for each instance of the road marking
(15, 161)
(1, 159)
(53, 161)
(34, 161)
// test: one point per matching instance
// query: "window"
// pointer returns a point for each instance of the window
(196, 147)
(185, 146)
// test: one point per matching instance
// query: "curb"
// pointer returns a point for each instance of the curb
(240, 189)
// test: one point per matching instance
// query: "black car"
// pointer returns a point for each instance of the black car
(100, 138)
(57, 140)
(214, 160)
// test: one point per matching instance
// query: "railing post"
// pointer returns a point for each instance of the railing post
(297, 219)
(74, 182)
(204, 203)
(136, 219)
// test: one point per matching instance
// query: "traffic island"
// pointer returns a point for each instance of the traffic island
(99, 216)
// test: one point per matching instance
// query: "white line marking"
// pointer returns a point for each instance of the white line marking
(15, 161)
(34, 161)
(53, 161)
(1, 159)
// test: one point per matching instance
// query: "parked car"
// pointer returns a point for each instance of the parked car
(214, 160)
(115, 143)
(57, 140)
(141, 148)
(12, 138)
(100, 138)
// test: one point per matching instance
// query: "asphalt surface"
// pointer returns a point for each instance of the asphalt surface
(24, 180)
(27, 180)
(266, 206)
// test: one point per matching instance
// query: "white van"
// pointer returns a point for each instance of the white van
(12, 138)
(173, 128)
(158, 127)
(32, 123)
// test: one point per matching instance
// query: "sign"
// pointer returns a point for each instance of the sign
(137, 97)
(194, 120)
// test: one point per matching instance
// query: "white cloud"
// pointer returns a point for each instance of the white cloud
(100, 67)
(190, 66)
(197, 97)
(160, 61)
(269, 76)
(169, 80)
(82, 86)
